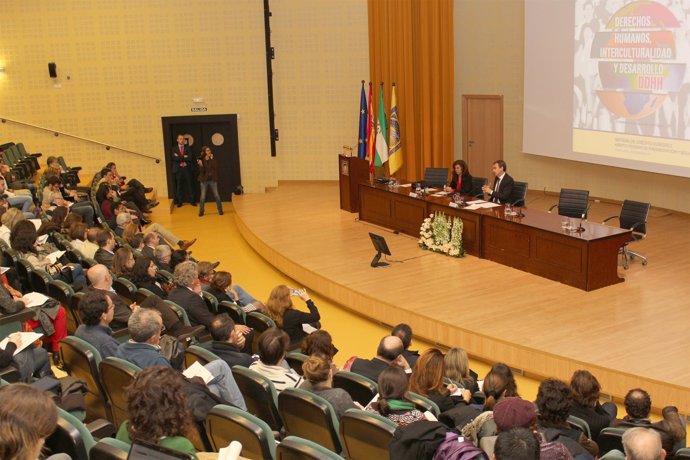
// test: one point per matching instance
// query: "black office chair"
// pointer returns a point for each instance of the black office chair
(477, 184)
(435, 177)
(633, 216)
(519, 193)
(572, 203)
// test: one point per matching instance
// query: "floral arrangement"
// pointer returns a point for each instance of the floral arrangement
(440, 233)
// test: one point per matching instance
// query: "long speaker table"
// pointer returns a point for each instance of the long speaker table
(535, 242)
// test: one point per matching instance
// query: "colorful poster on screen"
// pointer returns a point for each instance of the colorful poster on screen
(631, 68)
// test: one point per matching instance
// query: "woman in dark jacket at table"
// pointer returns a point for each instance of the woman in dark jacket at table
(280, 309)
(461, 180)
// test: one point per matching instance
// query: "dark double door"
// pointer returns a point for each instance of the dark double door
(219, 132)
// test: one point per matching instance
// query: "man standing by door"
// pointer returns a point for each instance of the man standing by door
(182, 166)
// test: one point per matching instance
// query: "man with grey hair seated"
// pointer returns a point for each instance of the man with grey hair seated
(143, 350)
(162, 255)
(639, 444)
(643, 444)
(187, 294)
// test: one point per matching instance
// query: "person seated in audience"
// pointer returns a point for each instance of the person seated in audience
(137, 242)
(511, 384)
(643, 444)
(53, 196)
(151, 240)
(123, 263)
(319, 343)
(143, 350)
(111, 206)
(128, 233)
(135, 196)
(70, 220)
(494, 389)
(124, 219)
(77, 235)
(461, 179)
(158, 411)
(585, 403)
(176, 257)
(96, 311)
(55, 223)
(404, 331)
(273, 345)
(511, 413)
(553, 402)
(27, 417)
(220, 285)
(206, 272)
(427, 380)
(23, 202)
(102, 280)
(187, 294)
(458, 369)
(318, 378)
(106, 248)
(228, 341)
(638, 405)
(54, 168)
(280, 309)
(392, 402)
(144, 276)
(516, 444)
(90, 247)
(23, 239)
(30, 362)
(9, 219)
(162, 257)
(11, 302)
(14, 184)
(131, 184)
(389, 353)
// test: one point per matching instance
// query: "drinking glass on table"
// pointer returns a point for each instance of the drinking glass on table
(508, 211)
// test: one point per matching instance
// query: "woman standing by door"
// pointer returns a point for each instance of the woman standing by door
(208, 177)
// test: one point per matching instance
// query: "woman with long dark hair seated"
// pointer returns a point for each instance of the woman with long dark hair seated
(123, 263)
(144, 276)
(461, 179)
(23, 240)
(158, 410)
(392, 403)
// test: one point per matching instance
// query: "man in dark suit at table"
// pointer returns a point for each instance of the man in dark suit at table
(183, 163)
(502, 189)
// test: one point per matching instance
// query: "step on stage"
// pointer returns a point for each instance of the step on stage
(632, 334)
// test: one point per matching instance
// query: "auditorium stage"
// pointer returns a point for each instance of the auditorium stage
(630, 334)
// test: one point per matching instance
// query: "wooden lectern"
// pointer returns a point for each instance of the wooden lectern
(351, 171)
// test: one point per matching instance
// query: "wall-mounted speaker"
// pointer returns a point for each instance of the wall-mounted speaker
(52, 70)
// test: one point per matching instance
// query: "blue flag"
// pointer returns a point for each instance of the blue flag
(362, 142)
